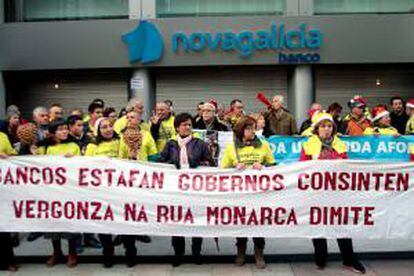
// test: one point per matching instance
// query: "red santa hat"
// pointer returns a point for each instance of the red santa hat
(378, 112)
(410, 103)
(211, 104)
(357, 101)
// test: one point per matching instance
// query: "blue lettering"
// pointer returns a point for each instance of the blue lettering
(197, 42)
(263, 41)
(228, 42)
(293, 39)
(213, 44)
(245, 43)
(177, 38)
(315, 39)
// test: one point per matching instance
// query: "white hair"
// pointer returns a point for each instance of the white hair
(280, 99)
(39, 109)
(132, 103)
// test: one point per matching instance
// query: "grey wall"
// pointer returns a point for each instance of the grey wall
(97, 44)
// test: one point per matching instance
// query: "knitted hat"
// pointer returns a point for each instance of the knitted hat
(378, 112)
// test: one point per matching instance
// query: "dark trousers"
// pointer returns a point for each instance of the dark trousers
(321, 251)
(258, 242)
(57, 245)
(129, 244)
(6, 251)
(179, 245)
(108, 247)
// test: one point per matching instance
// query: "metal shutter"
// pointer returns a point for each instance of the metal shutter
(76, 89)
(340, 83)
(188, 86)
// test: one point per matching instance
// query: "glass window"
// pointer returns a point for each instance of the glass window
(177, 8)
(363, 6)
(48, 10)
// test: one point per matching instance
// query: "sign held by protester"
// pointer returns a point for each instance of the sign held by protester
(308, 199)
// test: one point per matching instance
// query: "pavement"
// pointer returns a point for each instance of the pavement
(380, 268)
(285, 257)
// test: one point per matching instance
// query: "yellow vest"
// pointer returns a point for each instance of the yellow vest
(70, 148)
(307, 132)
(313, 146)
(167, 132)
(248, 155)
(122, 123)
(409, 130)
(148, 147)
(381, 131)
(108, 149)
(5, 145)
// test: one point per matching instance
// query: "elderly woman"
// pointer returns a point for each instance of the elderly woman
(324, 144)
(248, 151)
(186, 151)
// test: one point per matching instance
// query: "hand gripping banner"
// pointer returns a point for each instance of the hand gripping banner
(343, 198)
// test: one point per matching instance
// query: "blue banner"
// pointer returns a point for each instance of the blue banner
(381, 148)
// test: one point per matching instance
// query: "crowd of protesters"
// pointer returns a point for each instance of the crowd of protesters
(168, 138)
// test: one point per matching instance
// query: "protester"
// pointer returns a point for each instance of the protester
(13, 120)
(309, 131)
(59, 144)
(106, 144)
(77, 133)
(170, 105)
(95, 112)
(324, 144)
(409, 130)
(260, 124)
(136, 105)
(41, 119)
(26, 134)
(399, 117)
(381, 123)
(236, 112)
(278, 120)
(355, 122)
(162, 125)
(55, 112)
(248, 151)
(110, 113)
(199, 112)
(412, 153)
(209, 120)
(76, 112)
(137, 145)
(7, 260)
(335, 110)
(186, 151)
(308, 122)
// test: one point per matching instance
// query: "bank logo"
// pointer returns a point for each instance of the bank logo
(278, 38)
(144, 43)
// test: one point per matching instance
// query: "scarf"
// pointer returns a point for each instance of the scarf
(182, 143)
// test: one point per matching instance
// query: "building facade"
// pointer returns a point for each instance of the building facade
(72, 51)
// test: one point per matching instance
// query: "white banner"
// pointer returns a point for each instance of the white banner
(308, 199)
